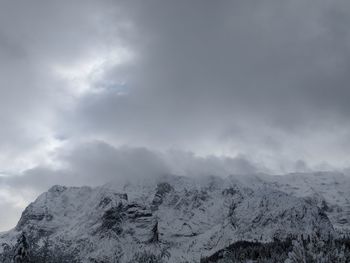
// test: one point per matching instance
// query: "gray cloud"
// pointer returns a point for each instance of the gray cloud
(274, 71)
(35, 39)
(201, 70)
(97, 162)
(219, 86)
(94, 163)
(8, 218)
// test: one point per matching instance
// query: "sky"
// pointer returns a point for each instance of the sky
(94, 91)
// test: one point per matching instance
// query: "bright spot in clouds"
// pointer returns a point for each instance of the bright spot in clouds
(81, 75)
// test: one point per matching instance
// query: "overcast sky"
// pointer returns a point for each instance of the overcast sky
(92, 91)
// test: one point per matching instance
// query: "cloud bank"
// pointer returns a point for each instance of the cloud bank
(95, 162)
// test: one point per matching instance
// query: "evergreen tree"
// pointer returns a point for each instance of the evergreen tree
(21, 250)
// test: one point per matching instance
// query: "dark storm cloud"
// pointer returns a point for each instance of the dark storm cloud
(201, 70)
(205, 68)
(207, 87)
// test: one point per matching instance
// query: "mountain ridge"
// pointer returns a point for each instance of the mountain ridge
(187, 218)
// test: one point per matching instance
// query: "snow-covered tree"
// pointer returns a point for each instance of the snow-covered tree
(21, 250)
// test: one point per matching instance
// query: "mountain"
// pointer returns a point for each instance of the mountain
(328, 190)
(176, 218)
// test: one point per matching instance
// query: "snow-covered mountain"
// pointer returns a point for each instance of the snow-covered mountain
(181, 218)
(328, 190)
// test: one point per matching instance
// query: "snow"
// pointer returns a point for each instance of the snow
(196, 216)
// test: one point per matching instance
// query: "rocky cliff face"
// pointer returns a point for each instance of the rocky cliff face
(178, 218)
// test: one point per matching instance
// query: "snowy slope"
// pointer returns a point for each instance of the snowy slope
(185, 217)
(329, 190)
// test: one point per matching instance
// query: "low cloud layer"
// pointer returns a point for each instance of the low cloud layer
(95, 163)
(89, 88)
